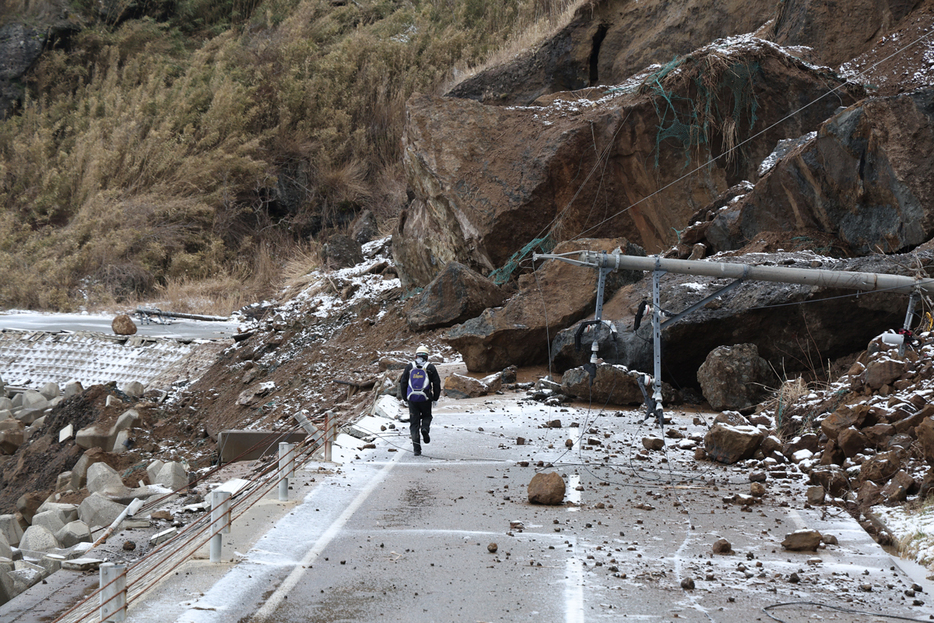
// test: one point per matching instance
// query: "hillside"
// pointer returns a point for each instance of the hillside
(150, 146)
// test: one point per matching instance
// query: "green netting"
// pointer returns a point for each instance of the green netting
(501, 275)
(690, 120)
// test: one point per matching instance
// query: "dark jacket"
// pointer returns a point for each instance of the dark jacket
(433, 379)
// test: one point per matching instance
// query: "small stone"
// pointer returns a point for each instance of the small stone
(129, 546)
(492, 547)
(687, 584)
(829, 539)
(653, 443)
(793, 578)
(722, 546)
(756, 489)
(866, 588)
(802, 540)
(757, 476)
(569, 443)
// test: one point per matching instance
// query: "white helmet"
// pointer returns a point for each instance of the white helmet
(421, 350)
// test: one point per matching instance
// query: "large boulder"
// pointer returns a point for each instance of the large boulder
(488, 180)
(458, 386)
(612, 384)
(517, 333)
(756, 312)
(455, 295)
(123, 325)
(864, 179)
(729, 444)
(547, 488)
(341, 251)
(734, 377)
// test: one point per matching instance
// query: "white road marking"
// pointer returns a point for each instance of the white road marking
(333, 530)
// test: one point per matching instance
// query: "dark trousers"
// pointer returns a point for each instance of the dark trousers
(419, 422)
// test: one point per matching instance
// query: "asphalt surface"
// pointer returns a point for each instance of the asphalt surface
(388, 536)
(167, 328)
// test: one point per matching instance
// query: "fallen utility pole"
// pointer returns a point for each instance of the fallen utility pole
(145, 312)
(608, 262)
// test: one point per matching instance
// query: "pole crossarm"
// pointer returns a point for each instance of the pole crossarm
(781, 274)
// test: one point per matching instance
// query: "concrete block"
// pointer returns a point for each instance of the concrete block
(101, 437)
(12, 436)
(16, 402)
(50, 390)
(51, 563)
(121, 442)
(63, 481)
(73, 533)
(38, 539)
(24, 579)
(134, 389)
(79, 473)
(72, 388)
(82, 564)
(6, 582)
(51, 520)
(28, 415)
(69, 512)
(5, 550)
(112, 401)
(6, 404)
(97, 511)
(34, 400)
(173, 476)
(152, 470)
(10, 528)
(66, 433)
(5, 414)
(105, 480)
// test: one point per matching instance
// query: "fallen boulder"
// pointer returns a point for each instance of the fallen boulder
(734, 377)
(459, 386)
(802, 541)
(547, 488)
(729, 444)
(123, 325)
(456, 295)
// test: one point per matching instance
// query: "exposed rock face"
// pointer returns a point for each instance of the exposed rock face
(836, 36)
(488, 180)
(517, 333)
(608, 41)
(864, 179)
(547, 488)
(733, 377)
(20, 46)
(342, 251)
(457, 294)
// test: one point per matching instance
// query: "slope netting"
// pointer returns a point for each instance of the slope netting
(501, 275)
(691, 120)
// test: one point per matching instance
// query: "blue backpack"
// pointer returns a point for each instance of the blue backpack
(418, 385)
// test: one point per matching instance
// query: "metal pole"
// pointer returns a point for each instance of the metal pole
(781, 274)
(286, 469)
(113, 592)
(220, 522)
(657, 342)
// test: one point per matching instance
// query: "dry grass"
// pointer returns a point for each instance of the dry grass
(151, 156)
(548, 18)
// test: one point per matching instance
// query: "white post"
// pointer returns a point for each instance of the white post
(220, 522)
(286, 469)
(113, 592)
(327, 437)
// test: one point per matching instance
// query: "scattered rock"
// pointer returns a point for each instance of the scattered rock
(802, 541)
(123, 325)
(729, 444)
(722, 546)
(547, 488)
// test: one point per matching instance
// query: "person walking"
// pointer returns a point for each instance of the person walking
(420, 386)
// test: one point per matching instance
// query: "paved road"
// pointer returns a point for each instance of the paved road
(393, 537)
(185, 329)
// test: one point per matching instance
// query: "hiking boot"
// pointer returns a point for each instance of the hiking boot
(417, 453)
(425, 437)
